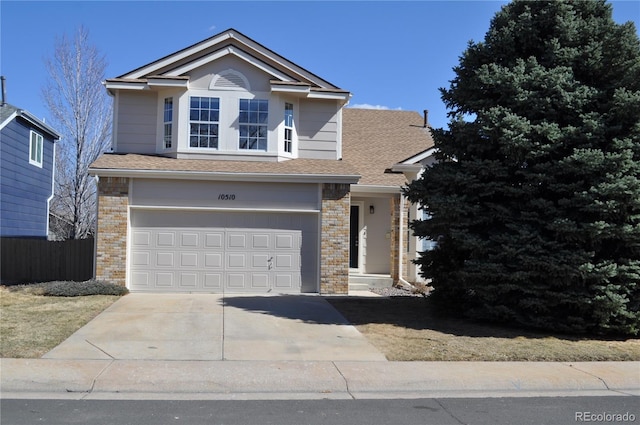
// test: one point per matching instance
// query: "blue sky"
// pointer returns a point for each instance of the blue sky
(391, 54)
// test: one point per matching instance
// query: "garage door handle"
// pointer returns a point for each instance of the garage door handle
(270, 263)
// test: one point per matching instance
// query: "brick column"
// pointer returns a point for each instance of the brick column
(395, 237)
(111, 244)
(396, 249)
(334, 245)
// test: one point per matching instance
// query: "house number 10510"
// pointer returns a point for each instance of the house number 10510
(227, 197)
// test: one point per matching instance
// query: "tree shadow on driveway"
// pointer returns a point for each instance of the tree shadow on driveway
(305, 308)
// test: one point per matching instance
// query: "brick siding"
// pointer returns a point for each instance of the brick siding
(111, 248)
(334, 246)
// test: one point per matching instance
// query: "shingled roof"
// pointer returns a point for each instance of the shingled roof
(112, 164)
(374, 140)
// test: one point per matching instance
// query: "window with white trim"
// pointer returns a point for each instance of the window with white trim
(253, 124)
(288, 127)
(168, 122)
(204, 118)
(36, 142)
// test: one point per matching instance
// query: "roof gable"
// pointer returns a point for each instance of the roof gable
(229, 42)
(9, 112)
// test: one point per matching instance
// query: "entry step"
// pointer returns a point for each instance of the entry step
(364, 282)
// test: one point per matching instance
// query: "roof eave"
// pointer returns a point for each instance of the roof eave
(33, 120)
(418, 157)
(225, 176)
(411, 168)
(372, 189)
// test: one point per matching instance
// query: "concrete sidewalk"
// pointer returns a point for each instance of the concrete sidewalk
(176, 380)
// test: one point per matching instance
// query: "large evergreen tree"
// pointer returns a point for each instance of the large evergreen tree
(535, 200)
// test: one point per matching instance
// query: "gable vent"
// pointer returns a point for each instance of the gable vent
(230, 80)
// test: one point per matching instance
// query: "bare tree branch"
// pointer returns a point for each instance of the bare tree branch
(81, 111)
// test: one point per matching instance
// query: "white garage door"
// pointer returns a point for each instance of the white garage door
(215, 259)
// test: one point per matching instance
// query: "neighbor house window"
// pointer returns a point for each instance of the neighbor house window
(425, 243)
(204, 116)
(35, 149)
(168, 121)
(253, 120)
(288, 127)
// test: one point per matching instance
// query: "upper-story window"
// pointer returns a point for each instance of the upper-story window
(288, 127)
(35, 148)
(204, 117)
(253, 124)
(168, 122)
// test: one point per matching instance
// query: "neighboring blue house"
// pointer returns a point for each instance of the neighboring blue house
(27, 158)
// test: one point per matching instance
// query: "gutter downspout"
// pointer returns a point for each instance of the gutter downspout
(53, 185)
(95, 236)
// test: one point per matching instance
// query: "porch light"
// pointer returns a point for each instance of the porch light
(371, 209)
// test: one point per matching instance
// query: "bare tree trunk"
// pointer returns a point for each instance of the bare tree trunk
(81, 111)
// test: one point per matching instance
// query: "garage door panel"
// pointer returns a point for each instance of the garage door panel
(214, 240)
(141, 258)
(260, 261)
(285, 261)
(188, 280)
(260, 241)
(251, 258)
(284, 281)
(166, 239)
(189, 240)
(141, 239)
(236, 241)
(236, 281)
(188, 259)
(164, 279)
(236, 260)
(165, 259)
(284, 241)
(259, 280)
(213, 281)
(213, 260)
(141, 279)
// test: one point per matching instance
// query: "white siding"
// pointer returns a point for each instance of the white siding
(136, 122)
(228, 195)
(318, 129)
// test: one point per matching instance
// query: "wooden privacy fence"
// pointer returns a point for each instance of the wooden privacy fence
(39, 260)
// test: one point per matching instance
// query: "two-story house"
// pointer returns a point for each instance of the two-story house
(236, 170)
(27, 165)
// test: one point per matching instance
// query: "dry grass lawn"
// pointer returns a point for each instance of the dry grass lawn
(405, 329)
(31, 325)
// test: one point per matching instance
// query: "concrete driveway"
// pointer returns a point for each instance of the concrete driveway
(217, 327)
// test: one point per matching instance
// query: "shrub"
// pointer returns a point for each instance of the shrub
(77, 289)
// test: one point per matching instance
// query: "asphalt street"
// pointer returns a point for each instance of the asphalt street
(429, 411)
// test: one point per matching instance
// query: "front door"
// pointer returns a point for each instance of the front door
(354, 237)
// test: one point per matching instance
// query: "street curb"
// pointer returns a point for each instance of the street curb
(229, 380)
